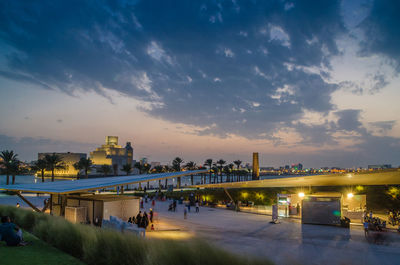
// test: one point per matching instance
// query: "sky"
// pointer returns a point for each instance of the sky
(315, 82)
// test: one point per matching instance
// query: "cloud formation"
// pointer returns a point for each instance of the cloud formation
(147, 50)
(249, 68)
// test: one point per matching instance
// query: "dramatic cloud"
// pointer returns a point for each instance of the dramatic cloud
(382, 31)
(246, 68)
(202, 63)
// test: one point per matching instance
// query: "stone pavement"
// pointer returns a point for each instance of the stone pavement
(288, 242)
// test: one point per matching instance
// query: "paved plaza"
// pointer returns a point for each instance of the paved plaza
(288, 242)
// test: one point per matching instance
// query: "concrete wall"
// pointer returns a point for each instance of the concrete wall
(122, 209)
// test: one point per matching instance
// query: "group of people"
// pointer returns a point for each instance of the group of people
(142, 219)
(372, 223)
(186, 209)
(11, 233)
(394, 217)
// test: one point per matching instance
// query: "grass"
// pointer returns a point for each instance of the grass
(36, 253)
(98, 246)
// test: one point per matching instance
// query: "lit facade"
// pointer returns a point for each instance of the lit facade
(112, 154)
(69, 160)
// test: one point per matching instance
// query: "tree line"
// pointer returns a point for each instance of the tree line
(10, 165)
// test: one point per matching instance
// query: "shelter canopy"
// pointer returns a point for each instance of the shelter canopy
(82, 185)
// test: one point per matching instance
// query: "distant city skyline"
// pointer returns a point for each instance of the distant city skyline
(311, 82)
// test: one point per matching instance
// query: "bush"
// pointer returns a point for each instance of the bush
(102, 247)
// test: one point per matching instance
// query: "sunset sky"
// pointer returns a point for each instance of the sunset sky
(315, 82)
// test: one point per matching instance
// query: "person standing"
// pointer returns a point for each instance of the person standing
(184, 213)
(197, 207)
(151, 215)
(174, 205)
(366, 226)
(138, 218)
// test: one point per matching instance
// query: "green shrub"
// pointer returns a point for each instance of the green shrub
(102, 247)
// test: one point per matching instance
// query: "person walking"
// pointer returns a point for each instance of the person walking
(185, 213)
(142, 224)
(151, 215)
(153, 203)
(188, 207)
(197, 207)
(366, 227)
(174, 205)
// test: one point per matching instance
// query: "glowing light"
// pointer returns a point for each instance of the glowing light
(349, 175)
(301, 194)
(350, 195)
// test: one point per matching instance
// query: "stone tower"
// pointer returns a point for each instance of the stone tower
(256, 167)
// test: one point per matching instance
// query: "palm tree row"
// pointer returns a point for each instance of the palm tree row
(50, 162)
(220, 168)
(217, 169)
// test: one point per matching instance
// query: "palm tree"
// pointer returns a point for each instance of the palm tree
(54, 162)
(227, 171)
(215, 171)
(139, 166)
(8, 163)
(237, 163)
(105, 169)
(231, 166)
(85, 164)
(40, 165)
(209, 163)
(127, 168)
(191, 166)
(220, 164)
(15, 169)
(176, 165)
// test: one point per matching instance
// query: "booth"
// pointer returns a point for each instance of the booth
(88, 208)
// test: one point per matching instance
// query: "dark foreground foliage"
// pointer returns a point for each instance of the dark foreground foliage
(96, 246)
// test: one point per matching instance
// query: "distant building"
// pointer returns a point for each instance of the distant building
(383, 166)
(113, 154)
(298, 166)
(69, 160)
(267, 169)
